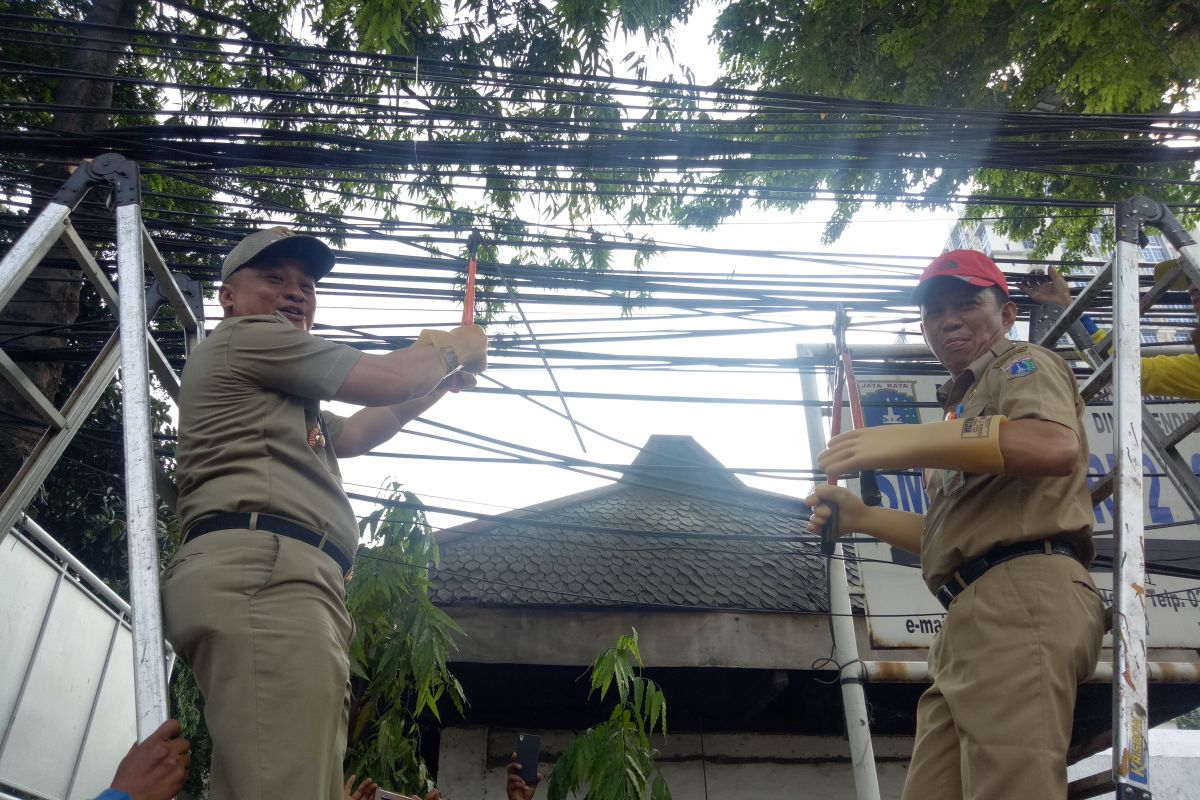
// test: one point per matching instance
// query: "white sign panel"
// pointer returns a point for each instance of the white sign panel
(903, 614)
(66, 680)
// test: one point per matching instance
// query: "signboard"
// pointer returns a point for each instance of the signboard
(66, 680)
(906, 615)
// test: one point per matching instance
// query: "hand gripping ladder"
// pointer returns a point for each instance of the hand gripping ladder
(1117, 360)
(136, 351)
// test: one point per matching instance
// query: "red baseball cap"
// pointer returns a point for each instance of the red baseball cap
(971, 266)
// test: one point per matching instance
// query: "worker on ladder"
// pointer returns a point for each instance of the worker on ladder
(1165, 375)
(1004, 546)
(254, 599)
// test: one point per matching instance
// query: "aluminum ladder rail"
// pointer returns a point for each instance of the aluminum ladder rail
(1161, 444)
(851, 670)
(1117, 359)
(134, 349)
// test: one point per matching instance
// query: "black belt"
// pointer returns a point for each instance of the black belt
(973, 570)
(266, 522)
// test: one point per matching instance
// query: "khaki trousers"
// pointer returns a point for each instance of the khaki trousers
(1006, 665)
(261, 619)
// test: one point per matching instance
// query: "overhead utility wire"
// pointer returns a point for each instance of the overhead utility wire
(1057, 120)
(229, 148)
(426, 145)
(536, 522)
(679, 485)
(444, 71)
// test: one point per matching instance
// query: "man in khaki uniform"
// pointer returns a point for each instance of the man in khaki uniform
(254, 600)
(1003, 547)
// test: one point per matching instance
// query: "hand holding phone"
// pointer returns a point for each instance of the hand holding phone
(529, 748)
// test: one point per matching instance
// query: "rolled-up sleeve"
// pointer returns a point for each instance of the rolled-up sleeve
(1036, 384)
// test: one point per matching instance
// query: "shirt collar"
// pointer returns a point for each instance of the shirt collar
(952, 391)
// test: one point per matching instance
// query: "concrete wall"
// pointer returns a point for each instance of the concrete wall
(770, 767)
(695, 766)
(569, 637)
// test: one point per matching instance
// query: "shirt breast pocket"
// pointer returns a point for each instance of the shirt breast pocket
(976, 408)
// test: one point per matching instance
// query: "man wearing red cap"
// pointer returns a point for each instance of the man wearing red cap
(255, 598)
(1004, 545)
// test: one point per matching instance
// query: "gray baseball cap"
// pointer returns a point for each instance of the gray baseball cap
(279, 241)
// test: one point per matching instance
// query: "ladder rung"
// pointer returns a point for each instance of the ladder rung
(1102, 489)
(1091, 786)
(32, 394)
(1098, 381)
(1190, 426)
(1080, 304)
(1174, 464)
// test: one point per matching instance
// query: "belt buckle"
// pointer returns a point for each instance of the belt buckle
(945, 596)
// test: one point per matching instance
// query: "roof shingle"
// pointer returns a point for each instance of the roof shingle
(673, 487)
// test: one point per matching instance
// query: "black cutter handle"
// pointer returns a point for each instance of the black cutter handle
(829, 532)
(868, 490)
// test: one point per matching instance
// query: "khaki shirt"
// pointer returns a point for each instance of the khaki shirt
(971, 514)
(250, 397)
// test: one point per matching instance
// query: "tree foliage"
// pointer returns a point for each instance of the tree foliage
(615, 759)
(994, 55)
(231, 56)
(284, 70)
(400, 647)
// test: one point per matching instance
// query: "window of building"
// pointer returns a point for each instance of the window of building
(981, 236)
(957, 238)
(1155, 250)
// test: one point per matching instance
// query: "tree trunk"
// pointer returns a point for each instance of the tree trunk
(51, 295)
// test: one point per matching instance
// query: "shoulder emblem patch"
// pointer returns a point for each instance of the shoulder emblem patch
(1019, 367)
(1009, 356)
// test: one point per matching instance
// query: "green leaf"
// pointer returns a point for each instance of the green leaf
(614, 760)
(400, 649)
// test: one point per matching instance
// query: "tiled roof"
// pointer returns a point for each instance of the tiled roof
(742, 551)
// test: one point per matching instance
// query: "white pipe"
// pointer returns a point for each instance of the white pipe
(854, 699)
(918, 672)
(823, 354)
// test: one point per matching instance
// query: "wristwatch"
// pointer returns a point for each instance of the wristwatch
(450, 364)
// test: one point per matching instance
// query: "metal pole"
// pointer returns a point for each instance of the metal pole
(918, 672)
(822, 354)
(1131, 751)
(149, 661)
(845, 643)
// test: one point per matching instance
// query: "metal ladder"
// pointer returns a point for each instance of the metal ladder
(134, 350)
(1117, 360)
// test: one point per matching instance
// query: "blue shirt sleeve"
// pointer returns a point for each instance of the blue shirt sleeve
(113, 794)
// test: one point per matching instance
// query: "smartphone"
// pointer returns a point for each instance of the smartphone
(529, 747)
(383, 794)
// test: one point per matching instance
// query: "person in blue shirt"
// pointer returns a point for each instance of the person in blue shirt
(155, 769)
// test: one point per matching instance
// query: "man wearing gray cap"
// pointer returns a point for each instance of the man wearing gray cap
(254, 600)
